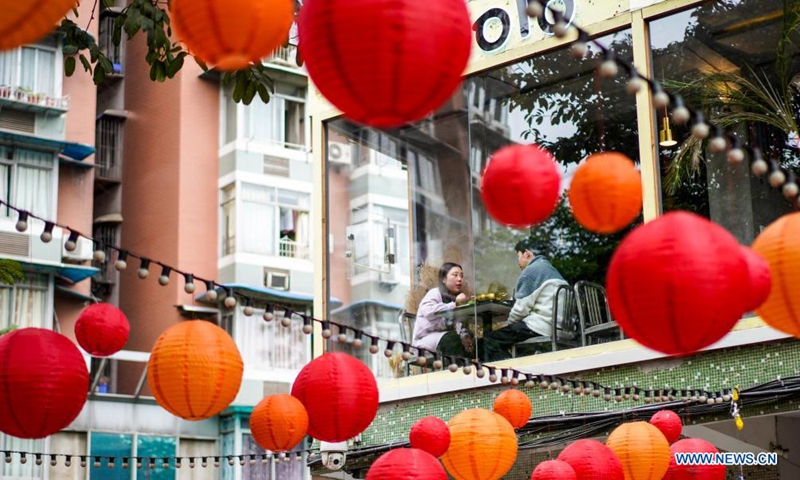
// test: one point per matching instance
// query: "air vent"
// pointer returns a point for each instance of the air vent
(276, 166)
(14, 244)
(17, 120)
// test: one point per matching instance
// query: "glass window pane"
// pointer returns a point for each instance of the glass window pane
(111, 445)
(160, 447)
(46, 72)
(741, 69)
(27, 79)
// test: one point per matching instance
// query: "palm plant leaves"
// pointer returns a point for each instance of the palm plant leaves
(10, 271)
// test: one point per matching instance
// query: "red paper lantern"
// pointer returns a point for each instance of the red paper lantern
(778, 245)
(591, 460)
(514, 406)
(669, 423)
(44, 383)
(385, 62)
(430, 434)
(675, 284)
(554, 470)
(340, 395)
(29, 22)
(760, 278)
(406, 464)
(102, 329)
(279, 422)
(232, 34)
(520, 186)
(606, 192)
(693, 472)
(195, 370)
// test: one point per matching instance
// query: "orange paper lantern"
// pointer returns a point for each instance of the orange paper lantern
(232, 34)
(514, 406)
(195, 370)
(28, 22)
(606, 193)
(779, 246)
(642, 450)
(483, 446)
(669, 423)
(279, 422)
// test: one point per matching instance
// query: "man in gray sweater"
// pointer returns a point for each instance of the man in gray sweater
(532, 314)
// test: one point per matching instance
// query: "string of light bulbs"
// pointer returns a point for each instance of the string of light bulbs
(508, 375)
(100, 461)
(722, 140)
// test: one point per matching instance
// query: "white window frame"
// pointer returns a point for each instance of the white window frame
(57, 70)
(12, 192)
(47, 322)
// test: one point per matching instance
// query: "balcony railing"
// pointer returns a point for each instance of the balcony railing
(36, 101)
(108, 157)
(106, 44)
(291, 249)
(284, 55)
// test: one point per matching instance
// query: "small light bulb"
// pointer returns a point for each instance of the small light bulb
(438, 365)
(388, 353)
(248, 310)
(535, 9)
(790, 190)
(343, 339)
(717, 144)
(143, 273)
(373, 349)
(492, 377)
(735, 156)
(700, 130)
(777, 178)
(565, 388)
(268, 316)
(480, 373)
(405, 355)
(634, 85)
(230, 301)
(99, 256)
(22, 225)
(422, 361)
(46, 237)
(553, 385)
(544, 384)
(579, 50)
(609, 69)
(286, 322)
(681, 115)
(307, 329)
(561, 29)
(70, 245)
(759, 167)
(636, 397)
(358, 343)
(453, 367)
(120, 265)
(189, 288)
(163, 280)
(660, 99)
(326, 332)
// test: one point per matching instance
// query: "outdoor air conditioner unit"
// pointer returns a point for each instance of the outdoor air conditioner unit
(83, 252)
(388, 280)
(340, 152)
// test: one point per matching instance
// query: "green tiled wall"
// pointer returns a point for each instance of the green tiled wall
(743, 366)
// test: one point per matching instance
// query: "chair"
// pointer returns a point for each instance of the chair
(595, 316)
(566, 321)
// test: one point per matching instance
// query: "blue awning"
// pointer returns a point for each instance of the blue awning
(76, 151)
(70, 273)
(270, 294)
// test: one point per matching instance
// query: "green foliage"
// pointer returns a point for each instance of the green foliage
(165, 57)
(10, 271)
(575, 252)
(8, 329)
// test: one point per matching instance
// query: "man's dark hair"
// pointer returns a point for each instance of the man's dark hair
(528, 244)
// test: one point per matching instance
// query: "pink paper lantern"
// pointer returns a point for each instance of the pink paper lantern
(760, 278)
(102, 329)
(591, 460)
(44, 382)
(340, 395)
(554, 470)
(520, 186)
(430, 434)
(406, 464)
(693, 472)
(669, 423)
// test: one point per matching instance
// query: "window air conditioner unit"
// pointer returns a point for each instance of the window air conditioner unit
(83, 252)
(340, 152)
(277, 280)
